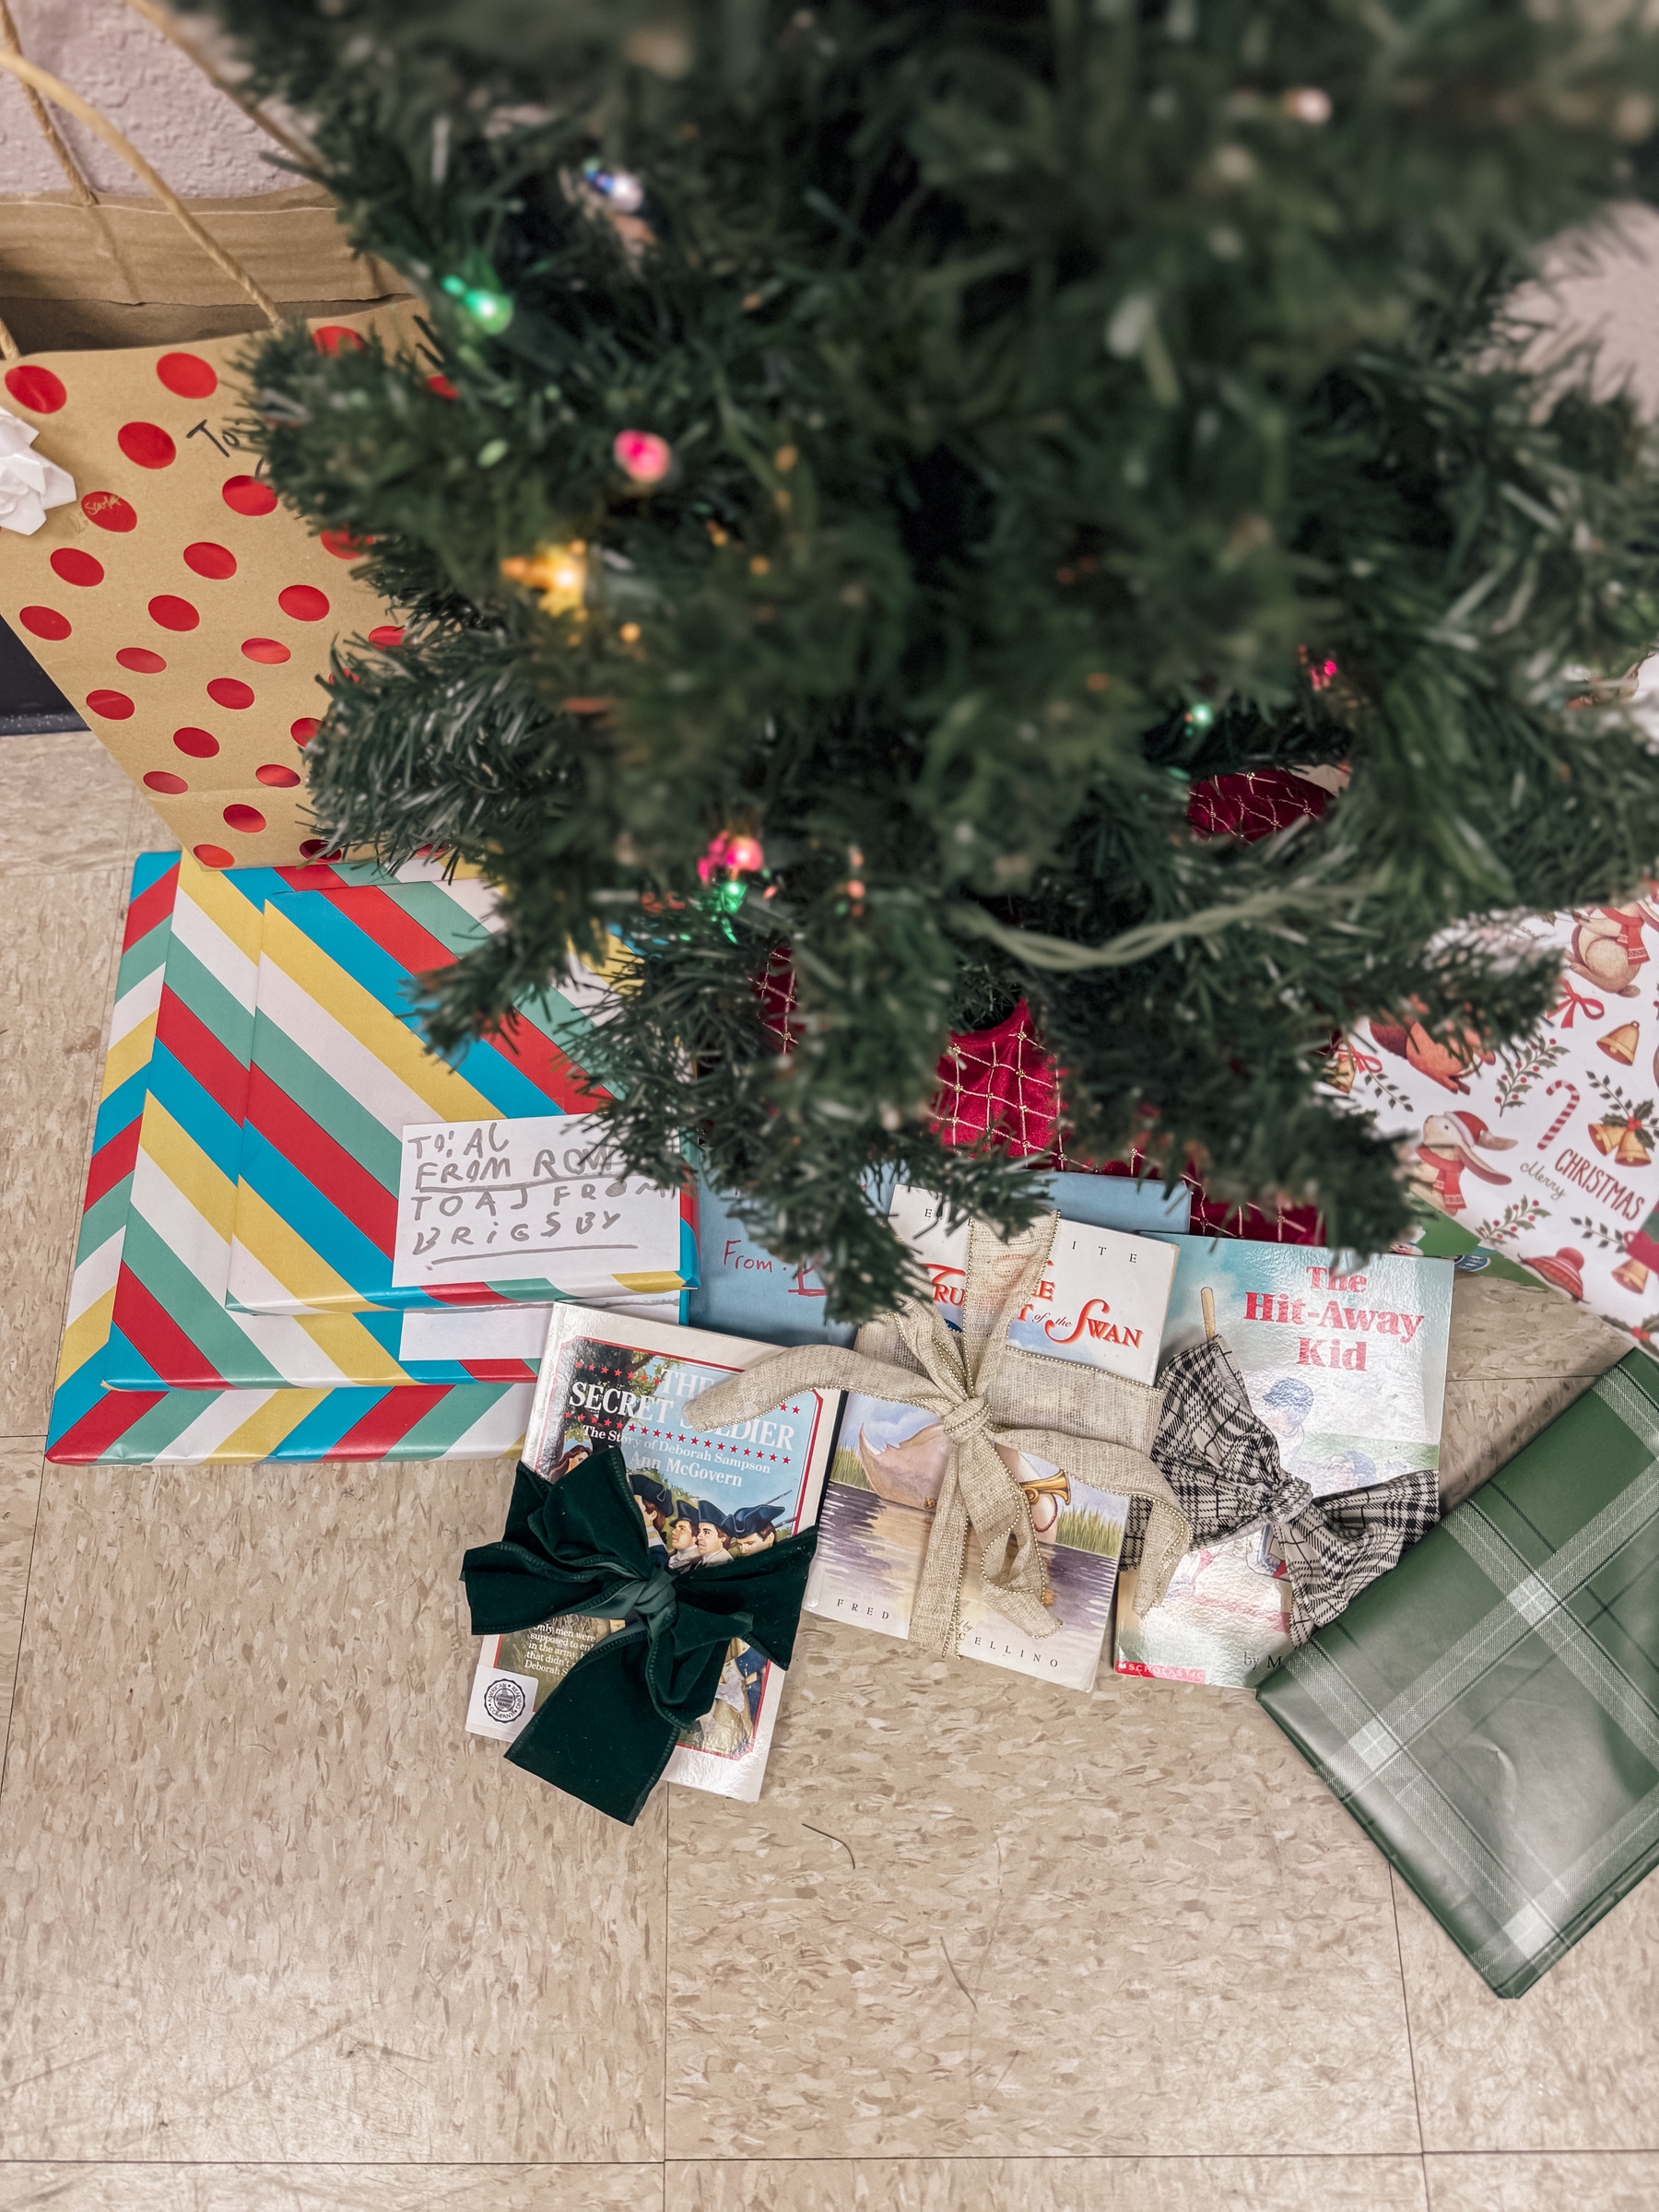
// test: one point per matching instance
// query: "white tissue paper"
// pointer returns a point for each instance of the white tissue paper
(29, 482)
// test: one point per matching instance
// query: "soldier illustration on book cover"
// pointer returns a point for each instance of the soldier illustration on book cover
(704, 1500)
(618, 1394)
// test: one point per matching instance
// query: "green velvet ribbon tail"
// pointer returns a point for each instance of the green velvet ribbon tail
(579, 1546)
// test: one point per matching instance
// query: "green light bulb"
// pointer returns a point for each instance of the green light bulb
(490, 311)
(1201, 716)
(725, 897)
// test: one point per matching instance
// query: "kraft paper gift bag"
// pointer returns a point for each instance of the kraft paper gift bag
(184, 612)
(85, 267)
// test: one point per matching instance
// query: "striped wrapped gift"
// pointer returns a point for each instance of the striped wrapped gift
(171, 1324)
(340, 1069)
(1490, 1710)
(90, 1421)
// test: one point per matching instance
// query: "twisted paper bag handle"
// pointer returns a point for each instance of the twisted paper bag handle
(40, 86)
(985, 1392)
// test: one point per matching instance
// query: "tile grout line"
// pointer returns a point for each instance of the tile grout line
(1393, 1901)
(111, 970)
(11, 1703)
(667, 1900)
(845, 2158)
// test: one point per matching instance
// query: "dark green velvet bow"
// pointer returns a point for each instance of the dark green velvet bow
(579, 1546)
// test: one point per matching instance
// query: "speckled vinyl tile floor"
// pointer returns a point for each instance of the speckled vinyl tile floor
(277, 1936)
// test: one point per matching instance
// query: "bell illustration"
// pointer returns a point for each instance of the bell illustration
(1620, 1043)
(1633, 1274)
(1627, 1142)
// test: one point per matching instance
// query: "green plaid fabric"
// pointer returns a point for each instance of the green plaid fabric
(1490, 1710)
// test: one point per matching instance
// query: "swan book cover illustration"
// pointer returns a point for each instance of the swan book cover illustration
(704, 1497)
(878, 1515)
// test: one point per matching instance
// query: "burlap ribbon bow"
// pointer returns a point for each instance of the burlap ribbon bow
(986, 1392)
(579, 1546)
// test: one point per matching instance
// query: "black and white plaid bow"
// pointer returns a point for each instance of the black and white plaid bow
(1223, 1465)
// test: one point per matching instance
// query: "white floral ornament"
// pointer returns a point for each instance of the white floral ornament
(29, 482)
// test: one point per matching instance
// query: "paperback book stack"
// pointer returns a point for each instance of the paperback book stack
(282, 1172)
(1102, 1303)
(1348, 1372)
(614, 1380)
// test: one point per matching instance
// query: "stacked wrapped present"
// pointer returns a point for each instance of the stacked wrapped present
(234, 1295)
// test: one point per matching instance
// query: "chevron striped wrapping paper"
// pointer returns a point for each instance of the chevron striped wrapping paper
(88, 1421)
(171, 1324)
(340, 1069)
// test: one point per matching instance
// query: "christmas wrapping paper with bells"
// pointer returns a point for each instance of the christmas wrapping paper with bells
(182, 610)
(984, 1389)
(1543, 1153)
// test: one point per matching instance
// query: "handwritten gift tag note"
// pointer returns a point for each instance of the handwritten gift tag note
(539, 1200)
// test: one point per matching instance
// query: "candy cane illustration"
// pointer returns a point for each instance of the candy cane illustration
(1565, 1116)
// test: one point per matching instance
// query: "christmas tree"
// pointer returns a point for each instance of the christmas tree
(874, 460)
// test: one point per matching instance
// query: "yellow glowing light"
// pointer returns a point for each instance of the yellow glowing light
(630, 633)
(558, 572)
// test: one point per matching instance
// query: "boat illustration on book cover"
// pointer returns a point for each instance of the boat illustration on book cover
(877, 1517)
(705, 1497)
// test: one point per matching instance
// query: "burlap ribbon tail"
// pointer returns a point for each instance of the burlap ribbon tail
(984, 1391)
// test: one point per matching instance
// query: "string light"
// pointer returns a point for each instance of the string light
(642, 456)
(490, 310)
(1307, 104)
(557, 573)
(620, 187)
(733, 853)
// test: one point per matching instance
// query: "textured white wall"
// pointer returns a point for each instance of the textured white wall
(201, 142)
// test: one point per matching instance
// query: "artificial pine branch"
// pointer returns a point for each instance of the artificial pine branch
(1064, 404)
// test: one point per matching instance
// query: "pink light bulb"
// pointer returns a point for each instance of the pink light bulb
(642, 456)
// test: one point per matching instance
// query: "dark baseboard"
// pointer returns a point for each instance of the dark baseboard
(38, 724)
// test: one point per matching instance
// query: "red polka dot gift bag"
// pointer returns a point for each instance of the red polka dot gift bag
(185, 614)
(182, 610)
